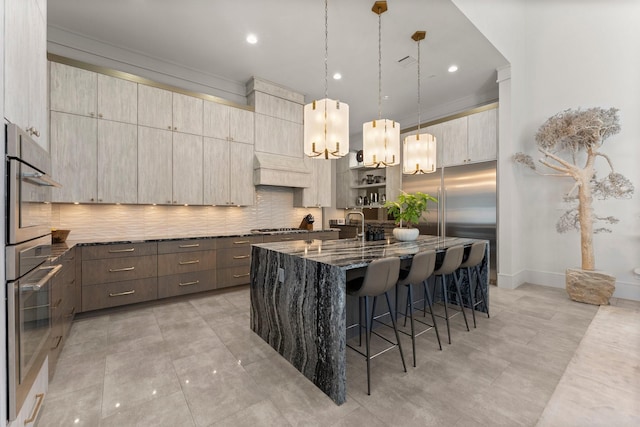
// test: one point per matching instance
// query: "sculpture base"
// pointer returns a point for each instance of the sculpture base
(591, 287)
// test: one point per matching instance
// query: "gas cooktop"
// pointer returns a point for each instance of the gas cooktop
(277, 230)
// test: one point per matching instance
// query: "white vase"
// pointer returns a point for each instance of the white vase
(405, 234)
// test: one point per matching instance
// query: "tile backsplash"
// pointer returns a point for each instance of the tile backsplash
(273, 209)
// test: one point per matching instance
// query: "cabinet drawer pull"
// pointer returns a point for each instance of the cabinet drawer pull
(120, 294)
(195, 261)
(237, 276)
(36, 409)
(194, 245)
(71, 313)
(241, 256)
(57, 304)
(57, 342)
(116, 251)
(288, 238)
(241, 242)
(189, 283)
(115, 270)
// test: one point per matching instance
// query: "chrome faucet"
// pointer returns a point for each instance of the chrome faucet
(357, 212)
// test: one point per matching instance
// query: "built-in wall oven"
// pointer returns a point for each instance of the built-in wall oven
(28, 271)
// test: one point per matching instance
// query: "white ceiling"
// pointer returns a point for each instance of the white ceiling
(209, 36)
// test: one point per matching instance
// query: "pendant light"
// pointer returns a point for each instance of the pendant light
(380, 138)
(326, 121)
(419, 150)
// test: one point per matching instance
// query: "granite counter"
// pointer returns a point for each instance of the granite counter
(298, 298)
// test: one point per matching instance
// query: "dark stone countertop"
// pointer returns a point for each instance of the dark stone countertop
(59, 249)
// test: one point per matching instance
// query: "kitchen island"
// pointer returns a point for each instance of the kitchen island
(298, 298)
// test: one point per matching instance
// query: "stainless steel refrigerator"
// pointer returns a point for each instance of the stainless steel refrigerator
(466, 203)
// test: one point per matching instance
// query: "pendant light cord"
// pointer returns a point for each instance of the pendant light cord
(379, 64)
(419, 109)
(326, 49)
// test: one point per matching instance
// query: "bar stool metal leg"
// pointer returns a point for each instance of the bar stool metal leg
(427, 295)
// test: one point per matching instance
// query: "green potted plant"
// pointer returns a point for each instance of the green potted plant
(407, 209)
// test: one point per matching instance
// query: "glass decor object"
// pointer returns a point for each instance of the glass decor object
(326, 121)
(381, 137)
(419, 150)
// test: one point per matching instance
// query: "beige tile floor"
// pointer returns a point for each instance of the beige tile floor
(194, 361)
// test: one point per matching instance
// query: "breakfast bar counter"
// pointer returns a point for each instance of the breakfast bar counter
(298, 298)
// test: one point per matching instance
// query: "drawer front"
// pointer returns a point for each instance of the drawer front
(119, 250)
(285, 237)
(233, 276)
(169, 264)
(118, 269)
(236, 242)
(234, 257)
(187, 245)
(119, 293)
(187, 283)
(55, 347)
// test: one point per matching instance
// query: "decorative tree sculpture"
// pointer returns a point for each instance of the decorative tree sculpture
(570, 142)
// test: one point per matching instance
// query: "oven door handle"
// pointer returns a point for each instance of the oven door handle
(37, 286)
(41, 179)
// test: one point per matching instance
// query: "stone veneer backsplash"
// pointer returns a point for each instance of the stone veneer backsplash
(273, 209)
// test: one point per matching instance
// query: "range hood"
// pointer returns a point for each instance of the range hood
(280, 171)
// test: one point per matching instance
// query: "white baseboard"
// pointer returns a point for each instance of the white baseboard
(624, 289)
(512, 281)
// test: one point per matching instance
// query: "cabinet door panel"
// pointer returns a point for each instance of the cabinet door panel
(73, 90)
(74, 157)
(454, 142)
(117, 162)
(323, 182)
(187, 114)
(117, 99)
(187, 169)
(38, 97)
(278, 136)
(241, 125)
(241, 188)
(154, 107)
(216, 171)
(216, 120)
(16, 43)
(483, 135)
(154, 166)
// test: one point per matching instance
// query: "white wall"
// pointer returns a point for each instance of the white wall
(565, 54)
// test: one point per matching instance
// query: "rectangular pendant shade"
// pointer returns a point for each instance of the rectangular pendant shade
(419, 154)
(326, 129)
(381, 143)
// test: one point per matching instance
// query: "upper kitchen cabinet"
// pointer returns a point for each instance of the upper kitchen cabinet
(78, 91)
(278, 136)
(163, 109)
(225, 122)
(94, 160)
(25, 72)
(154, 166)
(319, 193)
(467, 139)
(169, 167)
(228, 173)
(483, 136)
(74, 157)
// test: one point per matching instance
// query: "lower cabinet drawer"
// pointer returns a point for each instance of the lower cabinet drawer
(233, 276)
(105, 295)
(234, 257)
(55, 345)
(170, 264)
(97, 271)
(186, 283)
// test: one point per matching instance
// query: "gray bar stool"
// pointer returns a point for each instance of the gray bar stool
(380, 277)
(422, 267)
(450, 263)
(473, 262)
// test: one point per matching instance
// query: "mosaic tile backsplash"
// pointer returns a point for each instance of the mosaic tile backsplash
(273, 209)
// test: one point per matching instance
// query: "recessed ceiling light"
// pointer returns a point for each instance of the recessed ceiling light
(252, 39)
(453, 68)
(386, 97)
(337, 76)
